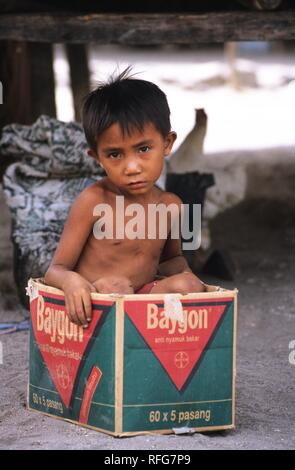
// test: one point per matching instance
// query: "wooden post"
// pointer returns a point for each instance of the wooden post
(79, 71)
(15, 78)
(230, 52)
(26, 73)
(42, 80)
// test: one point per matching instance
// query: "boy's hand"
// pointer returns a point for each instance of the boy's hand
(77, 292)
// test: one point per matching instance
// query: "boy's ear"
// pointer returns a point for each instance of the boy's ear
(169, 141)
(91, 153)
(94, 155)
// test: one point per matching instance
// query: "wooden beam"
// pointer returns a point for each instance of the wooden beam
(42, 80)
(80, 75)
(149, 29)
(16, 78)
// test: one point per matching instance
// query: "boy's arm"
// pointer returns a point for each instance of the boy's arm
(172, 260)
(60, 273)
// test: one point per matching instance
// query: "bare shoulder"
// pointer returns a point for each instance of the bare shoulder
(93, 194)
(170, 198)
(85, 202)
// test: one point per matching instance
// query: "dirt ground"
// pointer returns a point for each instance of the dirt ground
(260, 236)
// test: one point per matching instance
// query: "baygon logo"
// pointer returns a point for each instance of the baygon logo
(57, 324)
(193, 319)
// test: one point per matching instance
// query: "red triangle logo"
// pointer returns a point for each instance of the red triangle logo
(177, 345)
(62, 344)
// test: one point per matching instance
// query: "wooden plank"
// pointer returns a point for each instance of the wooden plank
(26, 72)
(42, 80)
(15, 78)
(80, 75)
(28, 85)
(150, 29)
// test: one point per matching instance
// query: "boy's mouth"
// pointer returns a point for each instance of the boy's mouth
(137, 184)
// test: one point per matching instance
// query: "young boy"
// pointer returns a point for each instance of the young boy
(127, 126)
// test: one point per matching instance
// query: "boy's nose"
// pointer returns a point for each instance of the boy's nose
(132, 167)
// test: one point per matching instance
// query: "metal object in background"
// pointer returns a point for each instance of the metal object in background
(12, 327)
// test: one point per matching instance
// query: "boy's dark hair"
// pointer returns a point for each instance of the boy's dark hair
(129, 102)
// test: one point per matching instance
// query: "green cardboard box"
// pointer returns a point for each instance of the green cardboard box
(147, 363)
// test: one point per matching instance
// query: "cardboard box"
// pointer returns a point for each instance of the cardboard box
(147, 363)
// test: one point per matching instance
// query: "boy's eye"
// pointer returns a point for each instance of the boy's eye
(144, 149)
(114, 155)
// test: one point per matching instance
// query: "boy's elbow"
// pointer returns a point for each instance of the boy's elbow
(49, 275)
(46, 276)
(55, 274)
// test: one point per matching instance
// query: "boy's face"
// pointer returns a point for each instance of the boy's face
(133, 162)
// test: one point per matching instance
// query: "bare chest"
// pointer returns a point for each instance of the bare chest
(132, 229)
